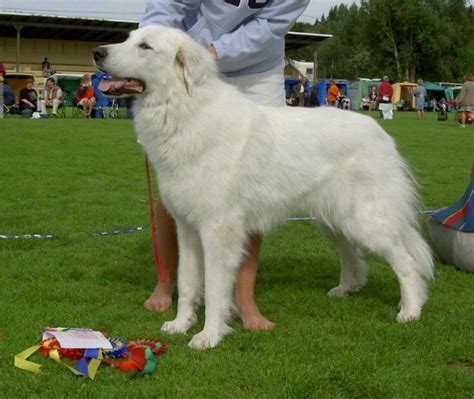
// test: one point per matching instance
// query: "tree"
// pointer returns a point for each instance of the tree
(406, 39)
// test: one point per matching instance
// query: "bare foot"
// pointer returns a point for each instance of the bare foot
(161, 297)
(253, 320)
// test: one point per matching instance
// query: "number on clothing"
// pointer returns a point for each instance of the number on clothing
(251, 3)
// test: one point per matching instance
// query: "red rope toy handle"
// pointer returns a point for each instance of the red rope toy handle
(159, 265)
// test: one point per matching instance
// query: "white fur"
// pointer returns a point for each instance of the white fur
(228, 168)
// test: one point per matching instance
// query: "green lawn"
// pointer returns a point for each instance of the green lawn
(70, 177)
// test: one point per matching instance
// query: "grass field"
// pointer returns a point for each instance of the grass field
(70, 177)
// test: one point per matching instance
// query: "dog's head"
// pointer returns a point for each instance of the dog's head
(153, 59)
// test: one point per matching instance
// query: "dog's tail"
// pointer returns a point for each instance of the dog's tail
(420, 251)
(412, 239)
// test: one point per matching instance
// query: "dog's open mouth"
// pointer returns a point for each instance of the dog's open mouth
(121, 87)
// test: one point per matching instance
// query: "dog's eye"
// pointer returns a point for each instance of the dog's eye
(145, 46)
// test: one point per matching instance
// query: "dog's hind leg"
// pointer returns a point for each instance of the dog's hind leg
(409, 257)
(223, 246)
(353, 268)
(412, 262)
(190, 279)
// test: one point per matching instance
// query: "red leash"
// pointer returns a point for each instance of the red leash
(159, 266)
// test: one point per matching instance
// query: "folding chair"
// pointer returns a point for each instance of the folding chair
(113, 114)
(9, 109)
(61, 109)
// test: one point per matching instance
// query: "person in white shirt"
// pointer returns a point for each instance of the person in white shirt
(52, 97)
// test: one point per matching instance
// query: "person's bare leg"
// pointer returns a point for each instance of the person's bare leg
(162, 296)
(91, 105)
(250, 315)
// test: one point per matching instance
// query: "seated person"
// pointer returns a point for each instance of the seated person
(292, 101)
(9, 98)
(340, 97)
(434, 105)
(443, 106)
(52, 97)
(346, 102)
(85, 98)
(442, 113)
(366, 104)
(400, 105)
(28, 97)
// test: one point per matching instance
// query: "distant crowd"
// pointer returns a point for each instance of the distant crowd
(380, 98)
(52, 98)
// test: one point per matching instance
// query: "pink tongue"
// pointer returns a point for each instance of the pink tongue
(120, 86)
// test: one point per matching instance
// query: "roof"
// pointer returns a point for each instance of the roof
(38, 26)
(410, 84)
(64, 28)
(336, 81)
(19, 75)
(433, 86)
(66, 76)
(297, 40)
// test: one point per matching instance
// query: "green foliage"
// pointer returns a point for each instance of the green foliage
(70, 177)
(406, 39)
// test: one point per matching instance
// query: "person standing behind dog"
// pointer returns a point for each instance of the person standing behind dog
(466, 98)
(247, 38)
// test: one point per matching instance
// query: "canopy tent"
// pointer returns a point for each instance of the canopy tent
(434, 92)
(452, 230)
(456, 91)
(361, 88)
(69, 83)
(404, 91)
(452, 92)
(17, 81)
(322, 86)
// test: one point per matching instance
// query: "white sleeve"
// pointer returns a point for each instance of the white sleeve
(167, 12)
(244, 46)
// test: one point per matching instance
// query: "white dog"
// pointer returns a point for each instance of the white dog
(228, 168)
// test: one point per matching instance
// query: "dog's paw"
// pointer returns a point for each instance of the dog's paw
(177, 326)
(206, 339)
(340, 291)
(406, 315)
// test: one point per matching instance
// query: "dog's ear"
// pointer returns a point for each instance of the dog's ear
(192, 66)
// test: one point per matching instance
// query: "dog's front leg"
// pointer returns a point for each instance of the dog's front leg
(190, 279)
(223, 245)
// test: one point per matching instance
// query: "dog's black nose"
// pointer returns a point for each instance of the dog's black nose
(99, 53)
